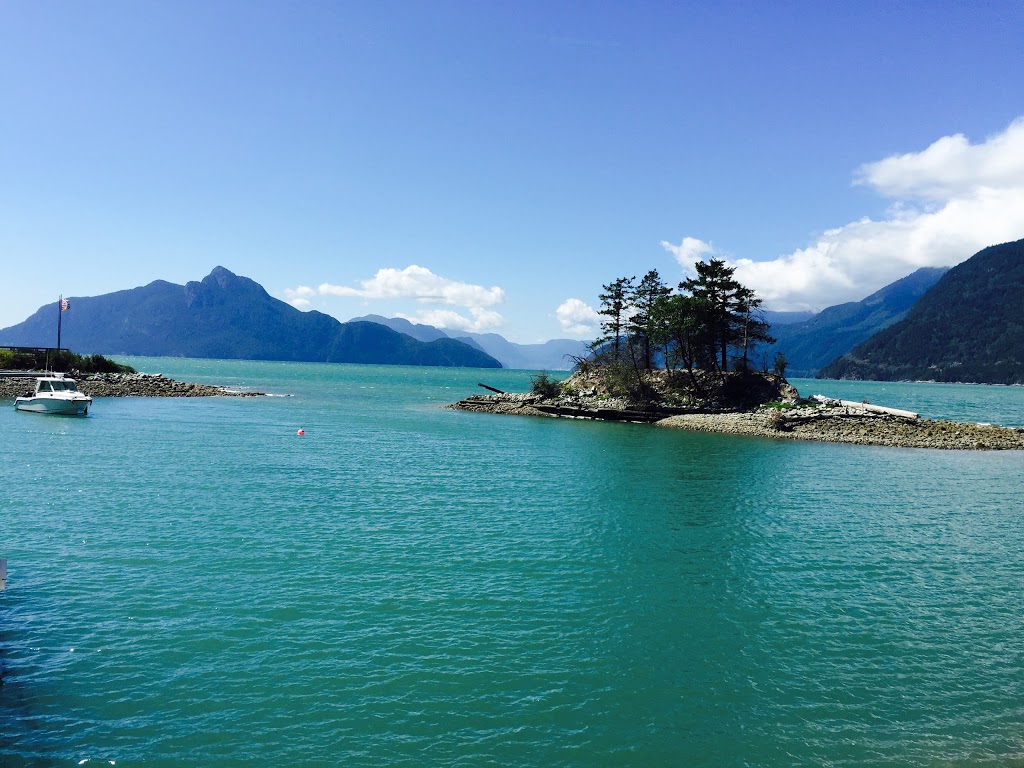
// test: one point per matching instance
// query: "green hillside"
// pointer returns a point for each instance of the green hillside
(816, 342)
(968, 327)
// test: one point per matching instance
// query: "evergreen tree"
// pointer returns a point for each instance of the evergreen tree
(641, 326)
(747, 326)
(615, 305)
(681, 322)
(731, 318)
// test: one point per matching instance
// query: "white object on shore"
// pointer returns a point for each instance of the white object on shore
(55, 394)
(865, 406)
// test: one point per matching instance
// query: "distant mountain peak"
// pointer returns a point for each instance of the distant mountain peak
(225, 315)
(221, 276)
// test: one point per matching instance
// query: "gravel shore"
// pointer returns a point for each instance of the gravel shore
(122, 385)
(840, 425)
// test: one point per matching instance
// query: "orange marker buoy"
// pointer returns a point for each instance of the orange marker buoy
(301, 432)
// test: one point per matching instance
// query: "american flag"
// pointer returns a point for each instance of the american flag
(65, 304)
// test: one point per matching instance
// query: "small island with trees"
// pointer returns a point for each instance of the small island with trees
(685, 358)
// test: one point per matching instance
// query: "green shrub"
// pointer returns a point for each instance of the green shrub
(779, 406)
(545, 386)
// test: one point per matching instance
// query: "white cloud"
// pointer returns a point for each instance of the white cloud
(949, 201)
(415, 282)
(421, 285)
(577, 317)
(689, 252)
(951, 167)
(480, 320)
(299, 297)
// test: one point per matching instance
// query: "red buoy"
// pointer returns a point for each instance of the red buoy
(301, 432)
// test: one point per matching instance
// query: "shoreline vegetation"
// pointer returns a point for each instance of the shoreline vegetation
(43, 359)
(750, 404)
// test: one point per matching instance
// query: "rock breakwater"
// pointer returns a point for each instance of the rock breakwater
(122, 385)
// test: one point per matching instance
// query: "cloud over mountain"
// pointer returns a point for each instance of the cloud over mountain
(422, 286)
(948, 201)
(577, 317)
(479, 321)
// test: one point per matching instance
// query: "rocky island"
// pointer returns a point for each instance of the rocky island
(753, 404)
(684, 358)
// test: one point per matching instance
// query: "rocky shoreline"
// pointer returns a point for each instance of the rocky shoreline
(798, 421)
(847, 425)
(121, 385)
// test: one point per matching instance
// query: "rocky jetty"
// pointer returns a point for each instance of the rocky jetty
(726, 408)
(121, 385)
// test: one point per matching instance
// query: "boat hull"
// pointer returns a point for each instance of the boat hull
(60, 406)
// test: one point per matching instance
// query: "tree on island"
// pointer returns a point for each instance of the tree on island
(642, 325)
(730, 310)
(691, 328)
(615, 305)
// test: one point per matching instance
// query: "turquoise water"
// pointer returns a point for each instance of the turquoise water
(191, 583)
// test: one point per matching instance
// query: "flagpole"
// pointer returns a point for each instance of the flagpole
(60, 311)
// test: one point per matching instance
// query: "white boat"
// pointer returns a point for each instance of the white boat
(55, 394)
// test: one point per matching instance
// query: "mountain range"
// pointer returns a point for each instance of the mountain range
(968, 327)
(960, 324)
(231, 317)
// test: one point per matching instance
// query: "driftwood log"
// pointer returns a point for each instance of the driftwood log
(866, 406)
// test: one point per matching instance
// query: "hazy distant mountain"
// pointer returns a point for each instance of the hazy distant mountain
(773, 317)
(836, 330)
(968, 327)
(418, 331)
(227, 316)
(551, 355)
(554, 355)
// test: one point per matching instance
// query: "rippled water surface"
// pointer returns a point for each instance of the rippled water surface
(192, 583)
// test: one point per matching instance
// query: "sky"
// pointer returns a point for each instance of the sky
(488, 166)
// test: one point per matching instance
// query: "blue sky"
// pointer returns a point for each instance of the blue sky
(489, 166)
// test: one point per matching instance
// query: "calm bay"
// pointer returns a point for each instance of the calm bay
(193, 583)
